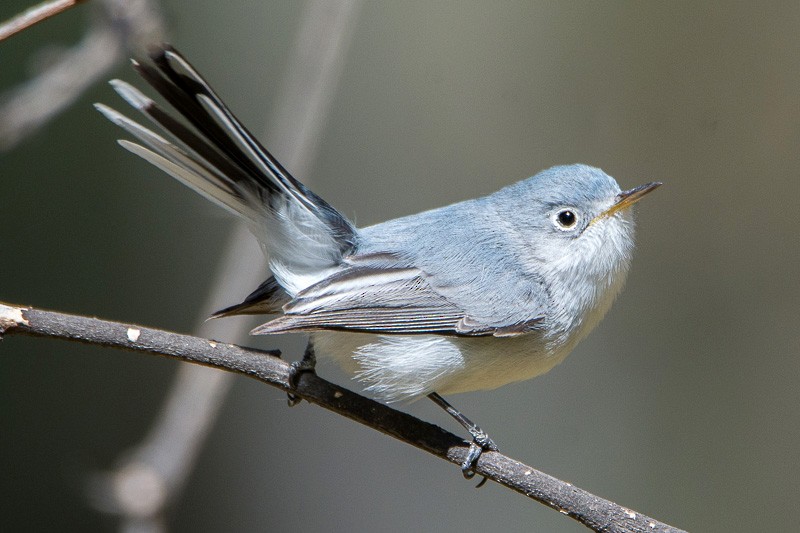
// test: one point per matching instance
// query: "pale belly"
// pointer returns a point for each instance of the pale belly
(397, 368)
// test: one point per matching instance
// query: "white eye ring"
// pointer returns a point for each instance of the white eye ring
(566, 219)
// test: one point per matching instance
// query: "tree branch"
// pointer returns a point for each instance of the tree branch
(592, 511)
(34, 15)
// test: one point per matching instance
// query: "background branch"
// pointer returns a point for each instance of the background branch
(34, 15)
(594, 512)
(118, 27)
(152, 474)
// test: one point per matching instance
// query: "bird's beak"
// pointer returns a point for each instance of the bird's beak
(625, 199)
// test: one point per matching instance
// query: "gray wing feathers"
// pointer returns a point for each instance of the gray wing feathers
(392, 300)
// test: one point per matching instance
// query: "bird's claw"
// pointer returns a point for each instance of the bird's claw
(297, 368)
(480, 443)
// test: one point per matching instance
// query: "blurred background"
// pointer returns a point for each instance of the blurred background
(681, 405)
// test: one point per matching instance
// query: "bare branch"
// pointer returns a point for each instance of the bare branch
(592, 511)
(34, 15)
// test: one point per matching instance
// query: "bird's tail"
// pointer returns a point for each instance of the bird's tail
(211, 152)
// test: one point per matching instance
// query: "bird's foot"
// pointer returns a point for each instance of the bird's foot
(480, 442)
(306, 364)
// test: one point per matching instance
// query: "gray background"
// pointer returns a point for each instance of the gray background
(682, 404)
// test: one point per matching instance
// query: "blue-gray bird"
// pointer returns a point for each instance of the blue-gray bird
(465, 297)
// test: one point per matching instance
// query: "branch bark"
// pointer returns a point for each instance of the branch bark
(592, 511)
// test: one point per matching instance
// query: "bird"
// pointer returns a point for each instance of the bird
(466, 297)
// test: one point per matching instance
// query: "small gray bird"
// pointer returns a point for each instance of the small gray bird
(465, 297)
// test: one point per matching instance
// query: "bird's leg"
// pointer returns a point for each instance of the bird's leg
(480, 440)
(306, 364)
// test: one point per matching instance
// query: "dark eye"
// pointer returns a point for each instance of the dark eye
(566, 218)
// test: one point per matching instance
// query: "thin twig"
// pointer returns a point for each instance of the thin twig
(34, 15)
(594, 512)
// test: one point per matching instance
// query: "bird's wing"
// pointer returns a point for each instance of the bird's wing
(383, 299)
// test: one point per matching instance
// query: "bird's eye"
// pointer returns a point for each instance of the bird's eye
(566, 218)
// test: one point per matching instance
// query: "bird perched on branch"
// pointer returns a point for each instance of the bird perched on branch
(466, 297)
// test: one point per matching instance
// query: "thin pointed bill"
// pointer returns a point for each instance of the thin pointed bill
(625, 199)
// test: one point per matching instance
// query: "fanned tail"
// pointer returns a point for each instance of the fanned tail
(214, 154)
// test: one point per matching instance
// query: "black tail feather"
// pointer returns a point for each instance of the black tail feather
(267, 299)
(256, 165)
